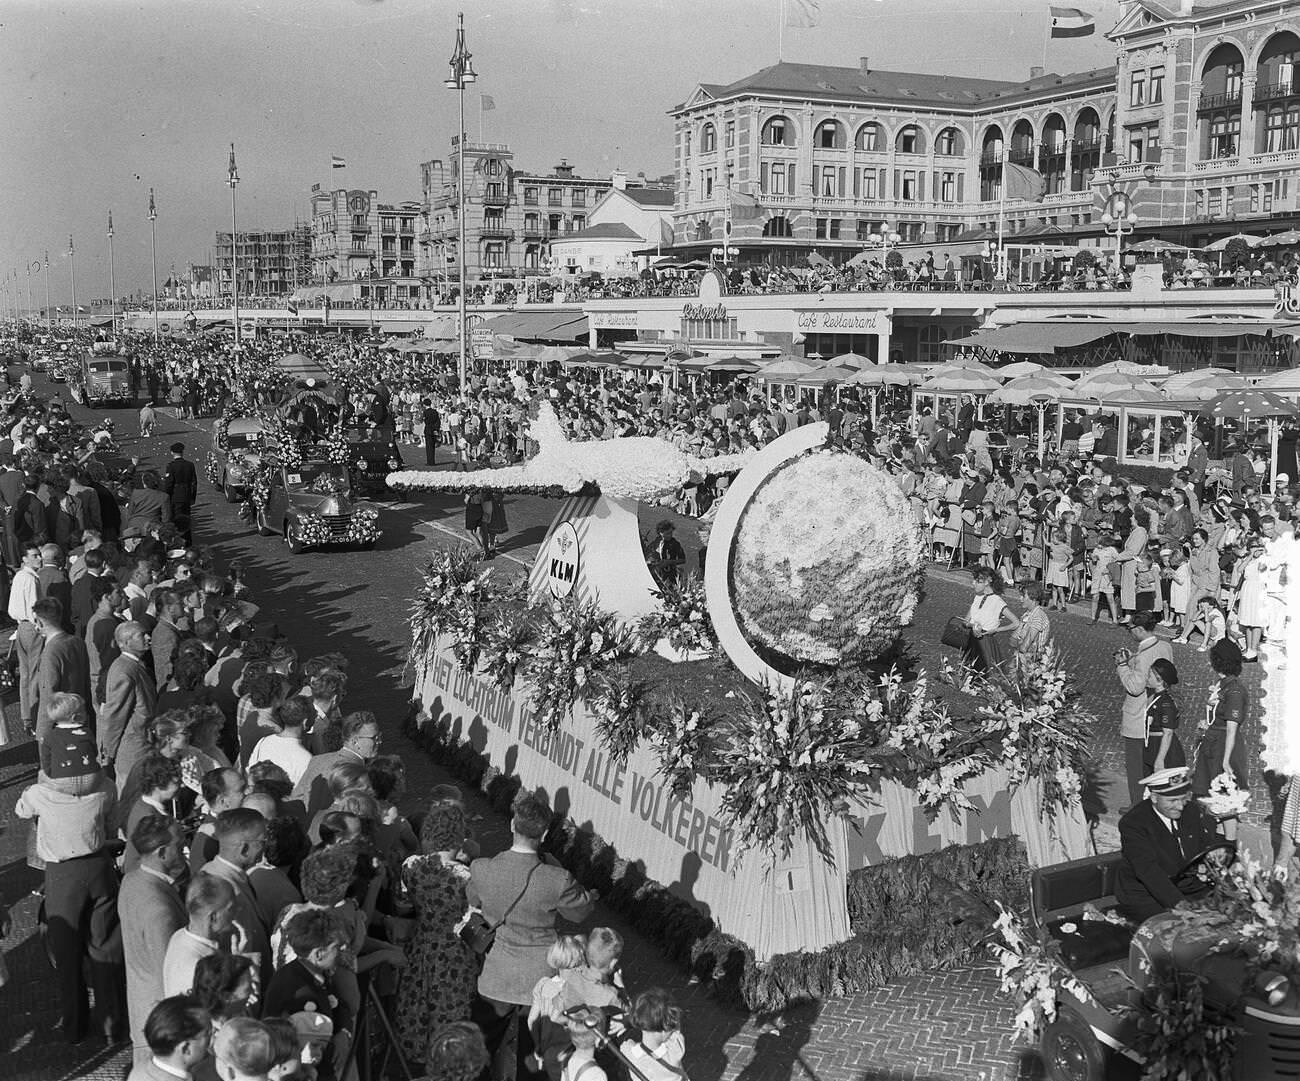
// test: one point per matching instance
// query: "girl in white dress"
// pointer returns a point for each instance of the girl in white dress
(1248, 591)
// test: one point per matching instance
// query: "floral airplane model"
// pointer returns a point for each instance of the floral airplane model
(636, 467)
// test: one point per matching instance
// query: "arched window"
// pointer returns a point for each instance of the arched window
(949, 141)
(778, 131)
(910, 140)
(1222, 76)
(1022, 143)
(777, 226)
(708, 139)
(1282, 129)
(871, 136)
(1054, 134)
(829, 135)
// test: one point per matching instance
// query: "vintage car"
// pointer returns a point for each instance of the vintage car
(1096, 1033)
(310, 504)
(237, 448)
(102, 379)
(372, 454)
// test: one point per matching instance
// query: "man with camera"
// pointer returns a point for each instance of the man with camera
(1132, 666)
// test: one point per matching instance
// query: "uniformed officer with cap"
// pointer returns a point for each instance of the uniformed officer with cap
(1158, 837)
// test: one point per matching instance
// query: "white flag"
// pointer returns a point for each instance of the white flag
(802, 14)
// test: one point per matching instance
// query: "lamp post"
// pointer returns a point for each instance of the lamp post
(462, 74)
(112, 281)
(232, 179)
(49, 315)
(153, 261)
(72, 268)
(885, 239)
(37, 265)
(1118, 218)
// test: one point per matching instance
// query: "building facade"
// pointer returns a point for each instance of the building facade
(1198, 122)
(627, 219)
(272, 262)
(511, 216)
(355, 237)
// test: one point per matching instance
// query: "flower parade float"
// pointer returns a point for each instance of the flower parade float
(793, 814)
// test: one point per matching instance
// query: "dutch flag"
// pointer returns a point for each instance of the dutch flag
(1072, 23)
(337, 163)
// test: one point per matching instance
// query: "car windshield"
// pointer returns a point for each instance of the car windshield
(103, 367)
(319, 478)
(240, 440)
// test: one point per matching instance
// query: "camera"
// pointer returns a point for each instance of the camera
(1121, 655)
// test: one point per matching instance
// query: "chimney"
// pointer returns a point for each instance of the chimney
(618, 179)
(1185, 7)
(864, 65)
(564, 168)
(1036, 72)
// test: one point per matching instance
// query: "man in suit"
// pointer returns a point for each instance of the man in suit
(151, 910)
(523, 892)
(166, 636)
(241, 839)
(361, 742)
(83, 607)
(130, 697)
(181, 484)
(11, 489)
(1158, 838)
(148, 506)
(52, 582)
(30, 524)
(177, 1035)
(64, 664)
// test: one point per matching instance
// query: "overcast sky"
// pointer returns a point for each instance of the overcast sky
(102, 99)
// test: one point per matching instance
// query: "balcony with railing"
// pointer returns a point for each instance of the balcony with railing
(496, 231)
(1210, 103)
(495, 195)
(1022, 155)
(1280, 91)
(990, 158)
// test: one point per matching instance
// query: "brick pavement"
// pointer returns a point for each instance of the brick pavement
(943, 1026)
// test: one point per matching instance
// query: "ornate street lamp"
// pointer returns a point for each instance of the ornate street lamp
(49, 315)
(232, 179)
(72, 268)
(462, 74)
(112, 280)
(153, 261)
(1119, 218)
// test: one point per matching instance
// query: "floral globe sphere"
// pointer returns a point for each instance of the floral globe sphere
(828, 561)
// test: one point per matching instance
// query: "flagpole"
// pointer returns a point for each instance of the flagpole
(1002, 214)
(480, 118)
(780, 31)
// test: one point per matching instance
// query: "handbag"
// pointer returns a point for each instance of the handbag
(9, 671)
(956, 633)
(478, 934)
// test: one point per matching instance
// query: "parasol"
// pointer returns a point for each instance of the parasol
(1254, 404)
(786, 368)
(960, 380)
(1287, 381)
(853, 360)
(1252, 241)
(1019, 368)
(1031, 389)
(830, 374)
(1203, 383)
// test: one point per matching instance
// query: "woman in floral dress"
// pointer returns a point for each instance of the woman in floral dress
(441, 971)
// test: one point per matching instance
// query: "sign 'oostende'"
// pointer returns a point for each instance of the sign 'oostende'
(704, 311)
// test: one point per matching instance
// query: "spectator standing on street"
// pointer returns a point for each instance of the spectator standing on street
(1133, 667)
(523, 893)
(181, 485)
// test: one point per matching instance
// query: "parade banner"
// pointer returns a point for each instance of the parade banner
(776, 906)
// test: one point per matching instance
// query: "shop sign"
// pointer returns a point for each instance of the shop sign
(562, 555)
(1287, 302)
(613, 320)
(844, 322)
(704, 311)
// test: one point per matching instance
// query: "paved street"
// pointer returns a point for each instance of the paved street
(951, 1026)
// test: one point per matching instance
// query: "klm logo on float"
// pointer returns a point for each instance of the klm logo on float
(562, 557)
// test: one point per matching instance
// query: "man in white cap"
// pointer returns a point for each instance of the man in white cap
(1158, 838)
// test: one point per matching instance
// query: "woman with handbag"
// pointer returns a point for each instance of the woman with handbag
(990, 621)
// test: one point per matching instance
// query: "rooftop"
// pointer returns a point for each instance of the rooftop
(823, 82)
(611, 230)
(650, 196)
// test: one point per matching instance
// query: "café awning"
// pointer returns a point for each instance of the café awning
(1039, 337)
(544, 326)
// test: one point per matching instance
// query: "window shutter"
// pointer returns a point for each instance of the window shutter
(857, 184)
(961, 184)
(789, 179)
(843, 182)
(882, 183)
(762, 178)
(920, 185)
(898, 183)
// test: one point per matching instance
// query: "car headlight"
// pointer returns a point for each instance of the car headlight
(1273, 987)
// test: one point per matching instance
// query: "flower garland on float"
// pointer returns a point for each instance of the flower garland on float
(314, 532)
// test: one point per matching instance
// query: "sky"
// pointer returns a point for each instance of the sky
(102, 99)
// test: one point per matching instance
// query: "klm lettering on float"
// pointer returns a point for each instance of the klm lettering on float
(915, 834)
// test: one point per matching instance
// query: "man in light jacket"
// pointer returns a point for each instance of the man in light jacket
(523, 892)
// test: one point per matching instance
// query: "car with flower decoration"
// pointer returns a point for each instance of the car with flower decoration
(103, 377)
(309, 502)
(1210, 989)
(238, 444)
(372, 454)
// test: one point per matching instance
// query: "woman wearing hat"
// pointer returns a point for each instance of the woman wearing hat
(1248, 596)
(1222, 748)
(1163, 748)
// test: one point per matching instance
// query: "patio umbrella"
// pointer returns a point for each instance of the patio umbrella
(1129, 367)
(1283, 240)
(1030, 389)
(855, 361)
(1286, 381)
(786, 367)
(1144, 394)
(600, 359)
(884, 375)
(1203, 383)
(645, 362)
(1248, 404)
(1156, 246)
(1104, 385)
(1019, 368)
(552, 354)
(1252, 241)
(961, 381)
(969, 362)
(738, 365)
(828, 374)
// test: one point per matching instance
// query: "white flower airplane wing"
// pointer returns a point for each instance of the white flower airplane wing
(637, 467)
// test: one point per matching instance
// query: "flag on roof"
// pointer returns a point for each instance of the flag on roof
(1072, 23)
(803, 14)
(487, 102)
(1023, 182)
(337, 163)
